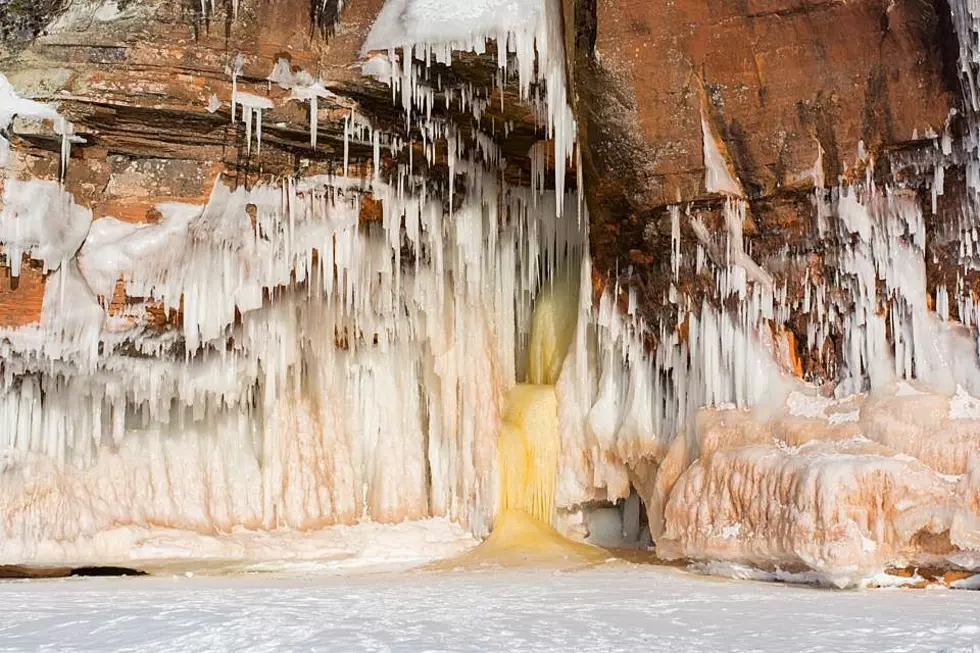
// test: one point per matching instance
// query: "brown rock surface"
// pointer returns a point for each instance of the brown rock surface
(780, 78)
(791, 89)
(20, 298)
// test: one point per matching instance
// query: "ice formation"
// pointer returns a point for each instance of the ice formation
(311, 375)
(529, 443)
(308, 369)
(738, 459)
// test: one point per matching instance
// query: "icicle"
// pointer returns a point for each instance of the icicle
(252, 107)
(347, 127)
(675, 240)
(235, 70)
(314, 119)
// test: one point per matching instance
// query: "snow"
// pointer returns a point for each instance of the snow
(39, 218)
(971, 583)
(12, 104)
(408, 22)
(608, 609)
(338, 549)
(963, 406)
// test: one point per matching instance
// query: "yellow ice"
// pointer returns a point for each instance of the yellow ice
(528, 448)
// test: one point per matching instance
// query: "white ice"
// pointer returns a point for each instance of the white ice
(602, 610)
(408, 22)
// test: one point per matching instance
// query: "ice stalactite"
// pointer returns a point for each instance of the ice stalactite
(531, 35)
(966, 21)
(737, 459)
(234, 70)
(252, 107)
(715, 430)
(309, 374)
(279, 380)
(302, 87)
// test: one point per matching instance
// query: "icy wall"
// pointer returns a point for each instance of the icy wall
(318, 369)
(325, 335)
(748, 362)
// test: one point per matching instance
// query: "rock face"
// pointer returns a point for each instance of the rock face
(285, 281)
(784, 85)
(796, 95)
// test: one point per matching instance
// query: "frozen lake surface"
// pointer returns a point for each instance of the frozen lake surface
(616, 607)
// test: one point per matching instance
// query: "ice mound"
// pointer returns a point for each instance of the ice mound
(843, 488)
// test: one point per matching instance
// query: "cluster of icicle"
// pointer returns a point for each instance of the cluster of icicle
(325, 370)
(328, 371)
(531, 38)
(367, 386)
(736, 457)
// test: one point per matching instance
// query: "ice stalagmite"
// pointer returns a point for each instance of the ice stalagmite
(529, 445)
(529, 449)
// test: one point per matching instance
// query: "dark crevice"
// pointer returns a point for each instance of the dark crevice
(948, 43)
(106, 571)
(324, 15)
(32, 572)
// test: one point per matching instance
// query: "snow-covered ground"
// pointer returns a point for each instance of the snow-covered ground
(615, 607)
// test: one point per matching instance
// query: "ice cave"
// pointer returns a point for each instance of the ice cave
(689, 283)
